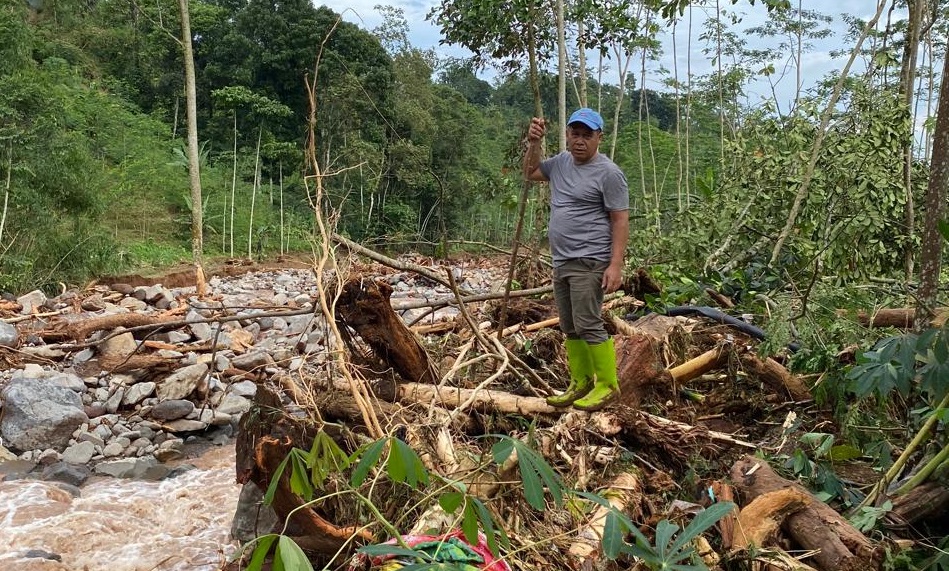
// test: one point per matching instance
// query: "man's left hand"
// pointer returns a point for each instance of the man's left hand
(612, 278)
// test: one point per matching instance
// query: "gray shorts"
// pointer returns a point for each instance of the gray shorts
(578, 290)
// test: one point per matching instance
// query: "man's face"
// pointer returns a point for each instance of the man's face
(582, 141)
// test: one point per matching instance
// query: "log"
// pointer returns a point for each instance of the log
(695, 368)
(924, 503)
(777, 559)
(759, 521)
(725, 493)
(623, 493)
(483, 400)
(838, 545)
(776, 376)
(364, 306)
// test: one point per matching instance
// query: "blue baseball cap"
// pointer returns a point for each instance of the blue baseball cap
(588, 117)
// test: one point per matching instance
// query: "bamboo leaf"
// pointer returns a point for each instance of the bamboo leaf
(261, 549)
(292, 556)
(368, 460)
(274, 480)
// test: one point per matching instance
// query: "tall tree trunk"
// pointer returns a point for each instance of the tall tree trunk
(194, 167)
(930, 255)
(907, 77)
(582, 65)
(561, 76)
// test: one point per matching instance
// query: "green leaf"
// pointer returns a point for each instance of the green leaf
(469, 522)
(292, 556)
(274, 480)
(704, 520)
(390, 549)
(262, 547)
(404, 465)
(612, 536)
(368, 460)
(502, 450)
(300, 475)
(449, 501)
(664, 532)
(844, 452)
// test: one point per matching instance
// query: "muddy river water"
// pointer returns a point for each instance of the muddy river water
(177, 524)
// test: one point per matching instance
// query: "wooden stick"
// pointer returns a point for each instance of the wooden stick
(698, 366)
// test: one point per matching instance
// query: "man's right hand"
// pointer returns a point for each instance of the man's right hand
(537, 130)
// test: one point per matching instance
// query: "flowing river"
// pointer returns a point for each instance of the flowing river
(177, 524)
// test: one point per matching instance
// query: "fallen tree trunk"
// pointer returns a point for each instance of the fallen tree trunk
(364, 306)
(694, 368)
(924, 503)
(484, 400)
(776, 376)
(838, 545)
(759, 521)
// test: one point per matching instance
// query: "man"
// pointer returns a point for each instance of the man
(588, 231)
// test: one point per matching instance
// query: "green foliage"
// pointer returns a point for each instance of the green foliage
(895, 362)
(867, 518)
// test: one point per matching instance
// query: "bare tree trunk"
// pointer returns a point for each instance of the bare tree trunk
(907, 76)
(561, 76)
(253, 196)
(194, 168)
(931, 249)
(233, 184)
(582, 65)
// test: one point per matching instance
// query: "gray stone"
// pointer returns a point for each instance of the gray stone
(233, 404)
(120, 346)
(185, 425)
(169, 450)
(172, 409)
(126, 467)
(91, 437)
(252, 360)
(182, 382)
(251, 518)
(133, 304)
(80, 453)
(38, 414)
(201, 331)
(124, 289)
(33, 300)
(95, 410)
(243, 389)
(30, 371)
(115, 400)
(138, 392)
(113, 449)
(8, 334)
(69, 381)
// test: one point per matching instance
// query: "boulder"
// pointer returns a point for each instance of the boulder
(182, 382)
(38, 414)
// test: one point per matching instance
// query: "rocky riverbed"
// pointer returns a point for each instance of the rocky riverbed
(140, 408)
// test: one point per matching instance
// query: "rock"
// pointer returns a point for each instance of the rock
(80, 453)
(8, 334)
(120, 346)
(6, 455)
(185, 425)
(115, 400)
(70, 473)
(95, 410)
(201, 331)
(251, 518)
(69, 381)
(124, 289)
(132, 304)
(138, 392)
(233, 404)
(37, 414)
(171, 409)
(126, 467)
(182, 382)
(243, 389)
(83, 356)
(31, 301)
(90, 437)
(40, 554)
(113, 449)
(170, 450)
(30, 371)
(253, 360)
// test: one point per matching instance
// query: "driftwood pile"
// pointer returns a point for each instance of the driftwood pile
(699, 411)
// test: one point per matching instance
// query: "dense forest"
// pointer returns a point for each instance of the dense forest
(801, 211)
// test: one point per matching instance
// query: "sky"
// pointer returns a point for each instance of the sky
(815, 64)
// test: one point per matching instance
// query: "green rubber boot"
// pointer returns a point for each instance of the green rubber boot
(580, 364)
(606, 386)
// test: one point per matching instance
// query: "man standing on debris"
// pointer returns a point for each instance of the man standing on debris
(588, 231)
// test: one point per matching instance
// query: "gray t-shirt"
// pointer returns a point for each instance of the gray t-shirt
(581, 199)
